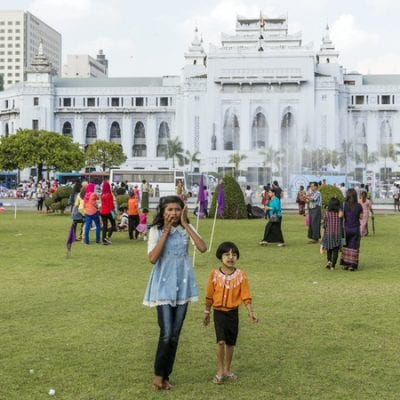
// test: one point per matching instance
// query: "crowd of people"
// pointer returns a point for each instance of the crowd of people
(95, 207)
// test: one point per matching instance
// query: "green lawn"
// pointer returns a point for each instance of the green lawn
(77, 325)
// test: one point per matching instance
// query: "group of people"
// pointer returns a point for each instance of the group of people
(99, 208)
(172, 286)
(343, 224)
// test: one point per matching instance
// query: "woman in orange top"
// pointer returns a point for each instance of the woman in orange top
(227, 289)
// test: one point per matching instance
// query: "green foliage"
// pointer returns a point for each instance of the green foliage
(29, 148)
(59, 199)
(104, 154)
(329, 191)
(122, 200)
(235, 207)
(175, 150)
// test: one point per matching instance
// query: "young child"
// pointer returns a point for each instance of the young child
(142, 227)
(123, 224)
(332, 236)
(227, 289)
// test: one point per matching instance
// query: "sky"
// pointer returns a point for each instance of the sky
(149, 38)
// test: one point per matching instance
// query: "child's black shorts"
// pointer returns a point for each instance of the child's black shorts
(226, 325)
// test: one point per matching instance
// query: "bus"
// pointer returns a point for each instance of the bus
(8, 179)
(69, 178)
(163, 182)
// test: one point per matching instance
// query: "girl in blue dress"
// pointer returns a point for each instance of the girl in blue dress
(172, 284)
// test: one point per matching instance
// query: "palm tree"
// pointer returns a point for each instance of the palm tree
(270, 157)
(193, 158)
(387, 150)
(346, 154)
(236, 159)
(175, 150)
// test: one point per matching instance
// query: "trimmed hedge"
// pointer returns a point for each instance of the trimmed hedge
(329, 191)
(59, 200)
(235, 207)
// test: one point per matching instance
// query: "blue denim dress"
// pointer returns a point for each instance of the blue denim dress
(172, 279)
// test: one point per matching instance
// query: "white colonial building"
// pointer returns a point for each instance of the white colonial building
(261, 89)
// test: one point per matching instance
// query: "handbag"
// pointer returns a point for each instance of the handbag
(274, 218)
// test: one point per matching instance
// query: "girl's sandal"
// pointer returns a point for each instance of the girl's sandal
(231, 376)
(167, 386)
(218, 380)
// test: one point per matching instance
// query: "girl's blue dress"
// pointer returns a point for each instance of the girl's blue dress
(172, 279)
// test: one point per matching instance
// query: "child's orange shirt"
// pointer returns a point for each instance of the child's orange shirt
(227, 292)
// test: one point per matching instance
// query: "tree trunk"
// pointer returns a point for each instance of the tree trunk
(40, 171)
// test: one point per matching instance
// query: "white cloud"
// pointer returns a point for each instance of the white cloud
(347, 36)
(385, 64)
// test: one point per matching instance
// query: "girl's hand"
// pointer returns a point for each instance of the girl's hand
(168, 221)
(184, 218)
(206, 319)
(253, 317)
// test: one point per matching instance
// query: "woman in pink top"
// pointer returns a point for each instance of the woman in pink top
(107, 212)
(91, 212)
(367, 208)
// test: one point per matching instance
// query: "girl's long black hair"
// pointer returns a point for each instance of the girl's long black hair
(164, 201)
(334, 205)
(351, 198)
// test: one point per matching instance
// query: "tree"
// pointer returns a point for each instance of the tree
(29, 148)
(192, 158)
(175, 150)
(346, 154)
(271, 157)
(104, 154)
(236, 159)
(387, 150)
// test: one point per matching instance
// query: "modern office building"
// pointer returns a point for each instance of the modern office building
(85, 66)
(260, 90)
(20, 35)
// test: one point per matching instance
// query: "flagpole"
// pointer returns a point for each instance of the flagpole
(212, 230)
(197, 229)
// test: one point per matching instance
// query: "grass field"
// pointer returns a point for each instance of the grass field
(77, 325)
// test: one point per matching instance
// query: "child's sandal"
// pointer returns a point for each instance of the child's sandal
(218, 380)
(231, 376)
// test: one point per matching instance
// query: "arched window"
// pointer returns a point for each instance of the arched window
(386, 132)
(231, 130)
(259, 131)
(163, 136)
(115, 131)
(67, 129)
(91, 133)
(139, 148)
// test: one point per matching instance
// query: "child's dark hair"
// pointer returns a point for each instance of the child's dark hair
(226, 247)
(164, 201)
(145, 210)
(334, 205)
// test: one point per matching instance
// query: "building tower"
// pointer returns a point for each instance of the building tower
(20, 35)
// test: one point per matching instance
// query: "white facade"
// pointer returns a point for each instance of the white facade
(85, 66)
(20, 35)
(261, 89)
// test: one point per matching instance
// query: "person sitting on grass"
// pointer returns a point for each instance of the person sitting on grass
(227, 289)
(123, 223)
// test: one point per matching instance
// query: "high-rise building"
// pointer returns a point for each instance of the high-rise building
(20, 36)
(85, 66)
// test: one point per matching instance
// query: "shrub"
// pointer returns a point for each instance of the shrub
(329, 191)
(234, 200)
(122, 200)
(59, 199)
